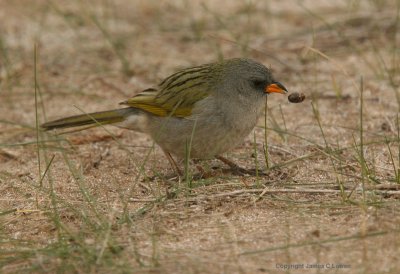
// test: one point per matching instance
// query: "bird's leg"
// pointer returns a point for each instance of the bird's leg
(228, 162)
(201, 170)
(173, 163)
(237, 168)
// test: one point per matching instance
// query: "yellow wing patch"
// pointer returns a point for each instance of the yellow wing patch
(150, 103)
(159, 110)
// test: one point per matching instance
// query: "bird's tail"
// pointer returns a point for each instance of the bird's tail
(96, 118)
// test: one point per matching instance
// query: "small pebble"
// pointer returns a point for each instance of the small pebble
(296, 97)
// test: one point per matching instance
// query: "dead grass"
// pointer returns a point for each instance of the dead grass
(105, 200)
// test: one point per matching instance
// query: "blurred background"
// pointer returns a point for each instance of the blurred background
(79, 203)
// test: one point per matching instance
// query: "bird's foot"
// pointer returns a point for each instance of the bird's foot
(237, 170)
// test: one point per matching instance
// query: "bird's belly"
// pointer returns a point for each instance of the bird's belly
(201, 139)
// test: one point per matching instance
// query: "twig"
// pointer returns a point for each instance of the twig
(267, 191)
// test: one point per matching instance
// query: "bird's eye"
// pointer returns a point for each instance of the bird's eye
(258, 84)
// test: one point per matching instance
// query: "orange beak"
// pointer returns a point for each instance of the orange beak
(275, 87)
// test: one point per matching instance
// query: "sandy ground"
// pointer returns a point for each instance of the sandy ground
(329, 200)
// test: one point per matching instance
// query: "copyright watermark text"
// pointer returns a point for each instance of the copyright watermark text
(313, 266)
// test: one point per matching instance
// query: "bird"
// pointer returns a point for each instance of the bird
(202, 111)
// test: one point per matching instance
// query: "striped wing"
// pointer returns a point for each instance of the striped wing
(176, 95)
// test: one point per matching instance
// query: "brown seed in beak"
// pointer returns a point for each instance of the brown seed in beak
(296, 97)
